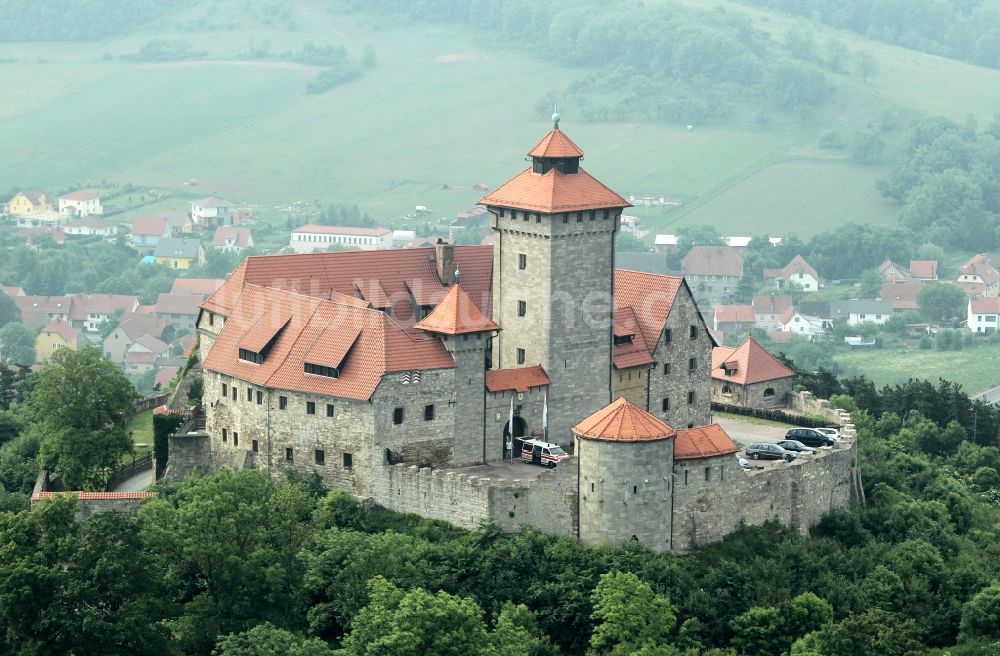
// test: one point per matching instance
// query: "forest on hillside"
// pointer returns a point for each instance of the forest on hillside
(236, 564)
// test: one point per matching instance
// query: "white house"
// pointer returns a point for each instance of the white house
(80, 203)
(858, 311)
(214, 212)
(804, 325)
(312, 237)
(983, 313)
(798, 271)
(91, 226)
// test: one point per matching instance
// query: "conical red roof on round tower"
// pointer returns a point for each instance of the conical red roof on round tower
(623, 421)
(456, 314)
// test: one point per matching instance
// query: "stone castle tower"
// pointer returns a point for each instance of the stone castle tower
(553, 278)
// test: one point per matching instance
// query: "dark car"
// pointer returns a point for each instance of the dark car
(809, 437)
(796, 446)
(768, 451)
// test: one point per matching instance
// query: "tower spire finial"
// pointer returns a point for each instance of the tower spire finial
(555, 116)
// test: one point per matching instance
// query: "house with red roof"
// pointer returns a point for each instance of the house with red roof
(147, 231)
(926, 270)
(739, 318)
(232, 239)
(712, 271)
(90, 311)
(902, 294)
(58, 334)
(80, 204)
(199, 286)
(312, 238)
(983, 314)
(797, 271)
(131, 327)
(768, 308)
(211, 211)
(978, 277)
(750, 376)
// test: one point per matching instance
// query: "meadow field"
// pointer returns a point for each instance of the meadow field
(976, 368)
(442, 111)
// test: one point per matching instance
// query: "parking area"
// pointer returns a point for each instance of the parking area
(745, 432)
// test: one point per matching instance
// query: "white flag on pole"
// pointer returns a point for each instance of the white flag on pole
(545, 412)
(510, 427)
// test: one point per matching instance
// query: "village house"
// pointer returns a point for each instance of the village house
(214, 212)
(749, 376)
(983, 312)
(39, 311)
(196, 286)
(893, 271)
(58, 334)
(734, 318)
(712, 271)
(798, 271)
(179, 253)
(142, 355)
(131, 326)
(80, 204)
(90, 226)
(11, 291)
(230, 239)
(926, 270)
(858, 311)
(804, 325)
(90, 311)
(902, 294)
(164, 376)
(312, 237)
(42, 233)
(767, 310)
(180, 310)
(665, 243)
(978, 277)
(28, 201)
(147, 231)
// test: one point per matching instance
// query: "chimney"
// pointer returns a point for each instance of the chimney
(444, 258)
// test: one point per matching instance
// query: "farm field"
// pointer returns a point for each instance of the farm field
(441, 111)
(976, 368)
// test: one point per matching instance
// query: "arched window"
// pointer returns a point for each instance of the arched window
(769, 393)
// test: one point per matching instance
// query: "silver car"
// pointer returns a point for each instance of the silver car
(768, 451)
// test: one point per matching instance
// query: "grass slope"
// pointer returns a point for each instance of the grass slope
(976, 368)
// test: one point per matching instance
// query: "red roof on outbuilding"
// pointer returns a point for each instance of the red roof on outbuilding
(703, 442)
(518, 380)
(623, 421)
(456, 314)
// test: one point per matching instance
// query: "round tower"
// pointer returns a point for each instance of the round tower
(626, 458)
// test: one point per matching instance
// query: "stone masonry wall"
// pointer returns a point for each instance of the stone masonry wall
(469, 352)
(631, 384)
(807, 404)
(681, 380)
(752, 396)
(796, 495)
(188, 453)
(548, 503)
(456, 498)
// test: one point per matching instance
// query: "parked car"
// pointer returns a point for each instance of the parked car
(809, 437)
(768, 451)
(830, 432)
(744, 463)
(796, 446)
(542, 453)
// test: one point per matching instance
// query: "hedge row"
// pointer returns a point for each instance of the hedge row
(773, 415)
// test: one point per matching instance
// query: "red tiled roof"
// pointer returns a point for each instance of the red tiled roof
(200, 286)
(554, 192)
(985, 305)
(555, 144)
(240, 236)
(650, 296)
(104, 304)
(397, 272)
(456, 314)
(153, 226)
(636, 352)
(703, 442)
(903, 295)
(382, 346)
(734, 314)
(713, 261)
(78, 195)
(164, 376)
(95, 496)
(140, 357)
(34, 194)
(519, 380)
(978, 265)
(372, 291)
(623, 421)
(61, 328)
(137, 324)
(178, 304)
(57, 235)
(754, 364)
(926, 269)
(314, 228)
(771, 304)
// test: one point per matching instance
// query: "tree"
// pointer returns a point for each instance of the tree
(626, 242)
(268, 640)
(981, 614)
(81, 404)
(759, 631)
(517, 633)
(941, 302)
(866, 64)
(628, 615)
(871, 632)
(9, 312)
(17, 344)
(867, 146)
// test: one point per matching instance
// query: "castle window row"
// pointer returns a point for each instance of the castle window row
(258, 396)
(590, 215)
(665, 403)
(398, 414)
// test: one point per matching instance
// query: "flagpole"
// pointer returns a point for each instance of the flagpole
(545, 416)
(510, 424)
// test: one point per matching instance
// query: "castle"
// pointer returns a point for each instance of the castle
(401, 375)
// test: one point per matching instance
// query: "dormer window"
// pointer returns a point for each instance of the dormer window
(251, 356)
(622, 339)
(321, 370)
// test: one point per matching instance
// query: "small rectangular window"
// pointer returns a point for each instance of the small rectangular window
(520, 356)
(666, 368)
(329, 409)
(348, 461)
(249, 394)
(708, 474)
(606, 214)
(260, 397)
(319, 456)
(234, 392)
(691, 398)
(579, 217)
(522, 308)
(692, 364)
(225, 435)
(289, 454)
(694, 332)
(236, 438)
(282, 403)
(429, 412)
(666, 404)
(310, 407)
(225, 390)
(565, 218)
(522, 261)
(397, 416)
(666, 335)
(254, 446)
